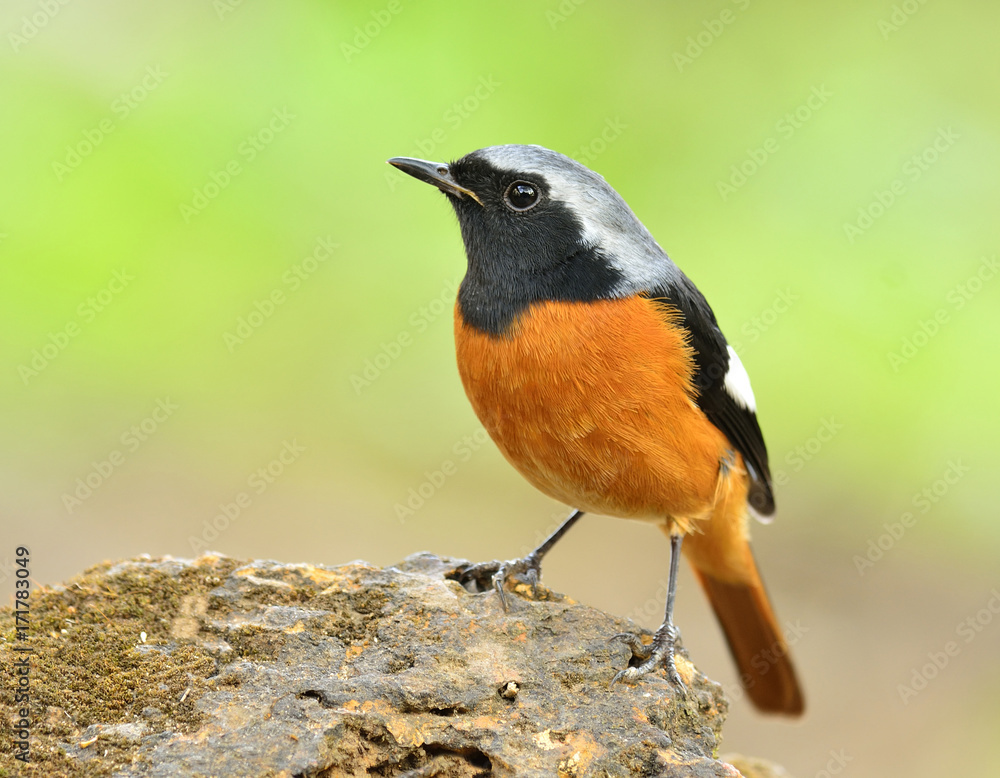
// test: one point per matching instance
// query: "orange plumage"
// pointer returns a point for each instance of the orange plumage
(594, 404)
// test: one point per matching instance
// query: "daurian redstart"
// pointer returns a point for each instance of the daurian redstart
(599, 370)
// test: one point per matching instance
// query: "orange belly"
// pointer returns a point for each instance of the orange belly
(593, 403)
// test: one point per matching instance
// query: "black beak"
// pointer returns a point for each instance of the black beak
(436, 173)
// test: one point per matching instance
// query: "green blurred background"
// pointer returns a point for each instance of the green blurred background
(206, 269)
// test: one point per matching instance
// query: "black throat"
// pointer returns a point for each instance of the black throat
(518, 259)
(497, 289)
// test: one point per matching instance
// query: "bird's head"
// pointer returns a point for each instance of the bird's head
(538, 225)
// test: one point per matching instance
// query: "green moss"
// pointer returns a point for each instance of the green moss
(254, 643)
(90, 666)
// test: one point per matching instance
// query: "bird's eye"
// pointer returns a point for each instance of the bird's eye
(521, 196)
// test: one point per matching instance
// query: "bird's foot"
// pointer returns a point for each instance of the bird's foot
(658, 653)
(496, 574)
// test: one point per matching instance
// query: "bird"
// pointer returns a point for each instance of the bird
(601, 373)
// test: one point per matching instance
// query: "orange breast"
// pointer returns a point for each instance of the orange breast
(593, 404)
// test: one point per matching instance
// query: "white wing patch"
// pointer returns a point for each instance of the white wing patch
(737, 382)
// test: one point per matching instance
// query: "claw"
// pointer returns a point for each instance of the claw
(660, 653)
(499, 573)
(499, 584)
(639, 649)
(530, 567)
(478, 573)
(629, 675)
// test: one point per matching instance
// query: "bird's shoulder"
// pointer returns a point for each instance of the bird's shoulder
(723, 388)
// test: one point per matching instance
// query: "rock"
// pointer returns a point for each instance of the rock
(213, 666)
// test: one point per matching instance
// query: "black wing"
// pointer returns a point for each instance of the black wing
(711, 355)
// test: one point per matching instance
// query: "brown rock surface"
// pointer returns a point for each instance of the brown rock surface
(170, 667)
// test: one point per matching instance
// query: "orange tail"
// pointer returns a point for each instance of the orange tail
(756, 643)
(719, 552)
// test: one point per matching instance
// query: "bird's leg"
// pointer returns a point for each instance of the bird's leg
(496, 573)
(661, 651)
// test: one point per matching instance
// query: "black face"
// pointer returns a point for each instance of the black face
(523, 247)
